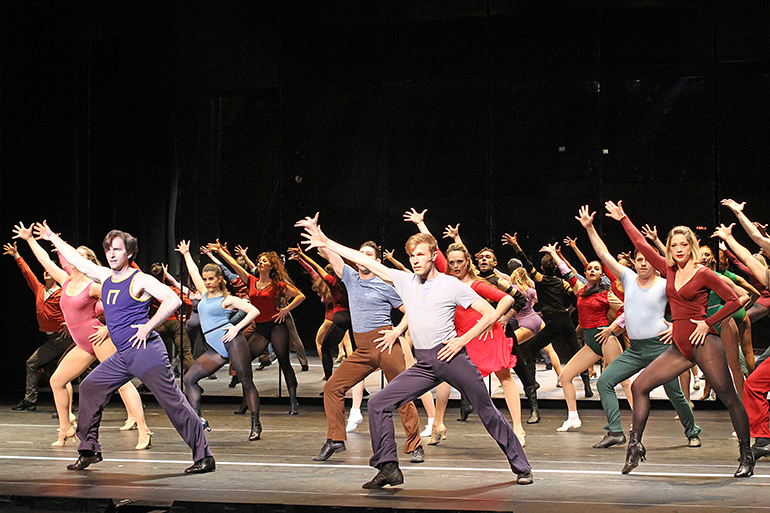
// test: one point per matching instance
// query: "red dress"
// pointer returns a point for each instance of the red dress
(691, 300)
(493, 352)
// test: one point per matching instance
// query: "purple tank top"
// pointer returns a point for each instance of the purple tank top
(122, 310)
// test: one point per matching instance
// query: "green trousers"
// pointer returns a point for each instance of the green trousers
(641, 353)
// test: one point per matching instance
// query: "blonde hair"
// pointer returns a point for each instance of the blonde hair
(520, 278)
(90, 255)
(456, 246)
(419, 238)
(759, 257)
(691, 240)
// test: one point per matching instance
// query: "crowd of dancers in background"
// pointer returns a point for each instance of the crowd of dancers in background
(659, 312)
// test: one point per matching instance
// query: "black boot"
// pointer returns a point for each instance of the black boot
(746, 460)
(531, 393)
(204, 422)
(256, 427)
(635, 452)
(466, 408)
(587, 384)
(294, 405)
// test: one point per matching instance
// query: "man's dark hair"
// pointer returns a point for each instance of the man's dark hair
(374, 246)
(129, 241)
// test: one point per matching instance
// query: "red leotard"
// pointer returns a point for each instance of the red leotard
(80, 312)
(691, 300)
(264, 299)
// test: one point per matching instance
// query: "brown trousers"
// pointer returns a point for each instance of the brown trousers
(365, 360)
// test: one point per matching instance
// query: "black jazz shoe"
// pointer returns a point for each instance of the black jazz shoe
(85, 460)
(202, 466)
(328, 449)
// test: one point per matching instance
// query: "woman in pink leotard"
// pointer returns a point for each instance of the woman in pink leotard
(81, 305)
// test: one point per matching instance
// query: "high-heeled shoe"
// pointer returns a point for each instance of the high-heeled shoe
(635, 452)
(145, 441)
(522, 436)
(437, 434)
(746, 461)
(256, 427)
(70, 435)
(130, 424)
(205, 424)
(73, 420)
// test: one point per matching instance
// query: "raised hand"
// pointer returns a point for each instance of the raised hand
(650, 233)
(570, 242)
(388, 254)
(614, 210)
(450, 232)
(22, 232)
(308, 222)
(295, 253)
(183, 247)
(723, 232)
(10, 249)
(42, 231)
(733, 205)
(204, 250)
(510, 240)
(240, 250)
(762, 228)
(550, 248)
(586, 220)
(414, 216)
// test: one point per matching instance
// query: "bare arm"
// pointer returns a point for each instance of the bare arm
(754, 232)
(228, 258)
(573, 244)
(652, 234)
(85, 266)
(453, 232)
(315, 238)
(389, 257)
(417, 218)
(239, 250)
(56, 272)
(234, 302)
(757, 269)
(192, 269)
(587, 220)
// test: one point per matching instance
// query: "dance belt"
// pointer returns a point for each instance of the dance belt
(214, 329)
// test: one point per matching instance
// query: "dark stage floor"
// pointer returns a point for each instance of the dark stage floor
(465, 472)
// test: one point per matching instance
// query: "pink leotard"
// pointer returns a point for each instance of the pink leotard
(80, 313)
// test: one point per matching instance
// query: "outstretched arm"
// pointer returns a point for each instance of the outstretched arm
(192, 269)
(758, 270)
(587, 221)
(453, 232)
(85, 266)
(228, 258)
(315, 238)
(239, 250)
(616, 212)
(56, 272)
(389, 257)
(417, 218)
(754, 232)
(573, 244)
(652, 234)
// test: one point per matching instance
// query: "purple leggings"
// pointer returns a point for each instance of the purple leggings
(428, 372)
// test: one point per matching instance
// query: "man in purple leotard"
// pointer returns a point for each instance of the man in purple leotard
(126, 294)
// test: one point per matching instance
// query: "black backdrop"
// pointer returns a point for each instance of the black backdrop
(199, 119)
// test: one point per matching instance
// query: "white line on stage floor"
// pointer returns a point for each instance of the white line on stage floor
(409, 469)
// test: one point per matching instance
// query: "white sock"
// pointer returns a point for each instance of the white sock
(573, 415)
(355, 412)
(430, 422)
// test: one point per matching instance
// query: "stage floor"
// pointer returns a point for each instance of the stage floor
(465, 472)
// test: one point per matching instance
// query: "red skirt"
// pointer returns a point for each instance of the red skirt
(493, 352)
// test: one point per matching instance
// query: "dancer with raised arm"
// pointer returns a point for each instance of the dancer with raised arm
(645, 309)
(81, 305)
(430, 299)
(140, 351)
(371, 301)
(695, 341)
(223, 338)
(264, 293)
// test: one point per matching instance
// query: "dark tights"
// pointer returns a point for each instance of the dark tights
(211, 361)
(712, 360)
(332, 339)
(277, 334)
